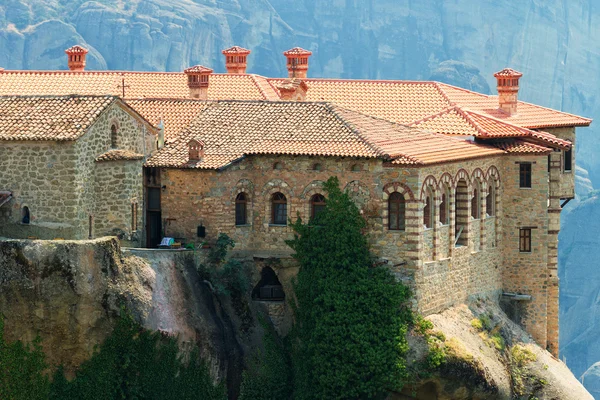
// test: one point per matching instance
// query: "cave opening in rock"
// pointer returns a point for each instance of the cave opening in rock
(268, 288)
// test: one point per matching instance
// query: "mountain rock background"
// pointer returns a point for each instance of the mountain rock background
(555, 43)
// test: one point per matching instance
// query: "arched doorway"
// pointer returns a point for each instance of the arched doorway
(268, 288)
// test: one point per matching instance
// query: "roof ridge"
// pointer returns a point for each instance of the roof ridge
(444, 95)
(53, 96)
(462, 89)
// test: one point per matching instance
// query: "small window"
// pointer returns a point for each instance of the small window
(356, 168)
(525, 240)
(279, 209)
(475, 202)
(241, 207)
(568, 160)
(525, 175)
(427, 214)
(90, 226)
(397, 212)
(317, 167)
(490, 200)
(317, 205)
(278, 165)
(113, 136)
(25, 216)
(444, 209)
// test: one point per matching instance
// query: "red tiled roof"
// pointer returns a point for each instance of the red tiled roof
(176, 114)
(297, 51)
(49, 118)
(233, 129)
(508, 72)
(118, 155)
(513, 146)
(137, 84)
(236, 50)
(5, 196)
(198, 69)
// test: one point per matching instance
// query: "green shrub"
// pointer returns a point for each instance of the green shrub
(349, 340)
(21, 370)
(227, 276)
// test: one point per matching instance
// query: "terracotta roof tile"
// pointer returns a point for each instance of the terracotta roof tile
(137, 84)
(233, 129)
(49, 118)
(176, 114)
(516, 146)
(117, 155)
(508, 72)
(297, 51)
(236, 50)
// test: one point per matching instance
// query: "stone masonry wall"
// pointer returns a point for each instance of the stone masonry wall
(58, 181)
(195, 197)
(527, 272)
(39, 174)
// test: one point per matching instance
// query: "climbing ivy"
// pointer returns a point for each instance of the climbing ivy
(349, 340)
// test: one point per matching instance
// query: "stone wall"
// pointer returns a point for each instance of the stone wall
(526, 272)
(194, 197)
(62, 184)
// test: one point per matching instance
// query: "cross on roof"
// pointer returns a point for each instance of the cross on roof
(123, 86)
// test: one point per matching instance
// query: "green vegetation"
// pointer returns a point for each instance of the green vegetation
(132, 363)
(349, 341)
(268, 376)
(227, 276)
(21, 370)
(489, 331)
(524, 382)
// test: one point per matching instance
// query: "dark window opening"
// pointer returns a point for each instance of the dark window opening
(444, 208)
(427, 214)
(525, 175)
(317, 167)
(461, 214)
(525, 240)
(268, 288)
(279, 209)
(25, 216)
(397, 212)
(475, 204)
(317, 205)
(113, 136)
(356, 168)
(278, 165)
(568, 164)
(90, 226)
(241, 207)
(490, 200)
(153, 199)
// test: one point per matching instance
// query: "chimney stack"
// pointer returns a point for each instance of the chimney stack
(235, 59)
(76, 58)
(508, 89)
(293, 89)
(297, 62)
(196, 150)
(198, 81)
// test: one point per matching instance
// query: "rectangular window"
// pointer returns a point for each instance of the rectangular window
(525, 175)
(568, 160)
(525, 240)
(279, 213)
(240, 213)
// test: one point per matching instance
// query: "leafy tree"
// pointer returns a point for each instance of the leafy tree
(134, 363)
(349, 341)
(21, 370)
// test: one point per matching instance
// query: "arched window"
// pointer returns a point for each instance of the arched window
(490, 200)
(428, 210)
(461, 213)
(113, 136)
(25, 217)
(317, 167)
(397, 212)
(475, 203)
(445, 207)
(278, 209)
(317, 204)
(356, 168)
(241, 209)
(278, 165)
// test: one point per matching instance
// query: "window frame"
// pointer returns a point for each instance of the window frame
(276, 203)
(239, 203)
(113, 136)
(570, 158)
(400, 218)
(429, 210)
(476, 202)
(525, 240)
(314, 202)
(525, 175)
(490, 200)
(444, 212)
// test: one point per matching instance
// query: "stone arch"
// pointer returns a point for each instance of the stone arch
(399, 187)
(493, 172)
(313, 188)
(115, 128)
(446, 179)
(247, 187)
(429, 182)
(269, 287)
(272, 187)
(429, 200)
(479, 176)
(359, 193)
(446, 198)
(462, 174)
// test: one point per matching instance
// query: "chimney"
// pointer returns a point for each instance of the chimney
(508, 89)
(76, 58)
(297, 62)
(293, 89)
(235, 59)
(196, 150)
(198, 81)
